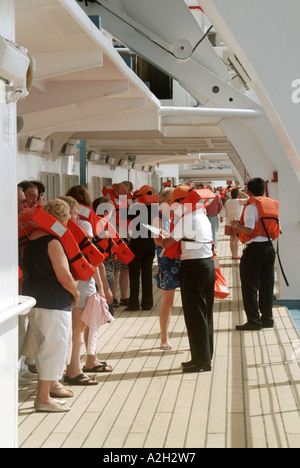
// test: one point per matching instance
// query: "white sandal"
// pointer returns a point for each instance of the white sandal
(166, 346)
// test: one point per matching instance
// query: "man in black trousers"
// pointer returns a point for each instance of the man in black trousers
(257, 262)
(197, 281)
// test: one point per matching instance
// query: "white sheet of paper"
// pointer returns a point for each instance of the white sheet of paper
(152, 229)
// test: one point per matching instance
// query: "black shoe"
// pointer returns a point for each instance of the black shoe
(248, 326)
(267, 324)
(186, 364)
(131, 309)
(197, 368)
(124, 302)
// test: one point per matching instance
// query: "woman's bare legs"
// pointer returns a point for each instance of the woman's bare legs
(234, 246)
(165, 315)
(78, 326)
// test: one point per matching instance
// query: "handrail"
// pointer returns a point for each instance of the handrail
(25, 303)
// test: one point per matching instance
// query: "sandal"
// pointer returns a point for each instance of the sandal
(60, 391)
(102, 367)
(124, 302)
(166, 346)
(82, 380)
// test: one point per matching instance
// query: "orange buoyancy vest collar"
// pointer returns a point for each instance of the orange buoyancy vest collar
(268, 223)
(147, 199)
(109, 192)
(196, 199)
(86, 245)
(105, 235)
(37, 219)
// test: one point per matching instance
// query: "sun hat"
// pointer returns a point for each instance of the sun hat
(180, 192)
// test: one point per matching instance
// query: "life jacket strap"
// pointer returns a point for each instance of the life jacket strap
(77, 257)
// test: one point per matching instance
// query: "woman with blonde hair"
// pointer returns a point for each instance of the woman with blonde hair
(168, 277)
(98, 283)
(48, 279)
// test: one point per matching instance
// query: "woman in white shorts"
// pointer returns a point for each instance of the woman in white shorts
(47, 278)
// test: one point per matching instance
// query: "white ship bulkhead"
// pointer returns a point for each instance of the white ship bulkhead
(88, 118)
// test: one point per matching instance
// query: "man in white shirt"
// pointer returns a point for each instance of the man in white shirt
(197, 279)
(257, 265)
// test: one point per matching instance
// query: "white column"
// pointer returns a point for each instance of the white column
(8, 253)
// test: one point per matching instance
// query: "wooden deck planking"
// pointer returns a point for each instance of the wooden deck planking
(250, 399)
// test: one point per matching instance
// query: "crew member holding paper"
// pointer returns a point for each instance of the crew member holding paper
(143, 247)
(197, 278)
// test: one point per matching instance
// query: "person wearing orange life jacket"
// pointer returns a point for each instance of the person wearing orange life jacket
(143, 247)
(167, 278)
(257, 262)
(48, 279)
(103, 207)
(22, 319)
(31, 192)
(120, 195)
(74, 375)
(197, 281)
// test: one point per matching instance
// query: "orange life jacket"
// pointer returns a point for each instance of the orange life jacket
(105, 235)
(108, 192)
(196, 199)
(147, 199)
(268, 223)
(37, 218)
(86, 245)
(123, 252)
(221, 289)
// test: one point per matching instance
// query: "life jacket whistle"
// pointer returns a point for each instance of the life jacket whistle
(268, 223)
(196, 199)
(85, 244)
(37, 218)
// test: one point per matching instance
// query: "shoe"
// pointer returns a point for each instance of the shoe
(82, 380)
(124, 302)
(116, 303)
(267, 324)
(197, 368)
(166, 346)
(23, 381)
(30, 376)
(59, 391)
(131, 309)
(32, 368)
(186, 364)
(248, 326)
(100, 368)
(40, 408)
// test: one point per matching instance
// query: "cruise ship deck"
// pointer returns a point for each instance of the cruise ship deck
(249, 400)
